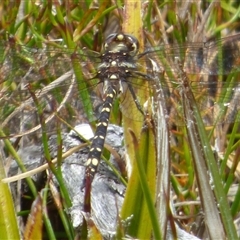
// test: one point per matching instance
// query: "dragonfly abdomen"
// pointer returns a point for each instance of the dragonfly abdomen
(100, 134)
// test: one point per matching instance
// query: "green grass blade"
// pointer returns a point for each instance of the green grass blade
(8, 222)
(206, 170)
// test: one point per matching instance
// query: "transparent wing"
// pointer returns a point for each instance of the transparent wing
(62, 82)
(54, 81)
(211, 58)
(213, 69)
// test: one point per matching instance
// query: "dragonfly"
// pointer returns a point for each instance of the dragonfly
(44, 85)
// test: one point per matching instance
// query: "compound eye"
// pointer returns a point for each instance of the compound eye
(119, 42)
(133, 44)
(109, 40)
(111, 37)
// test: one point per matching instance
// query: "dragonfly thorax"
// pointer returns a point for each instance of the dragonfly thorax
(117, 61)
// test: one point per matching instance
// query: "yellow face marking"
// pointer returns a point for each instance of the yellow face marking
(100, 136)
(113, 77)
(113, 63)
(94, 162)
(98, 149)
(106, 109)
(120, 37)
(134, 46)
(88, 162)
